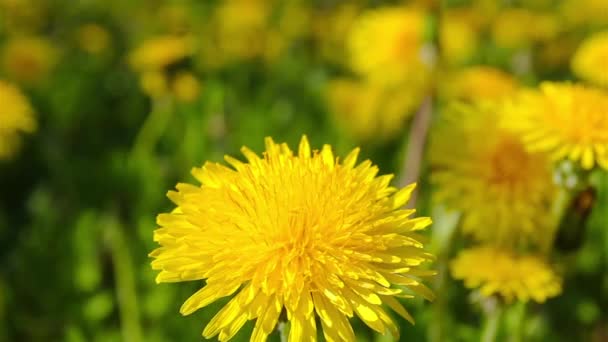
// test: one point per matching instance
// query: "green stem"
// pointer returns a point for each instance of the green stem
(153, 128)
(444, 234)
(490, 329)
(560, 204)
(518, 331)
(282, 328)
(125, 282)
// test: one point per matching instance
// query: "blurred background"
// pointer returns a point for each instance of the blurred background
(106, 105)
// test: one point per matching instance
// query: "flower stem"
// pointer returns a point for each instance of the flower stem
(125, 282)
(153, 127)
(282, 328)
(490, 330)
(560, 204)
(520, 315)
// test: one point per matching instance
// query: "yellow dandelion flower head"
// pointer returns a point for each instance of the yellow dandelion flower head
(186, 87)
(240, 29)
(566, 120)
(499, 272)
(518, 27)
(28, 59)
(303, 232)
(159, 52)
(154, 83)
(478, 82)
(16, 115)
(458, 36)
(484, 171)
(330, 27)
(591, 59)
(371, 111)
(387, 43)
(584, 12)
(93, 38)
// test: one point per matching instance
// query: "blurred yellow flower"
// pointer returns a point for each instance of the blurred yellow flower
(386, 44)
(591, 59)
(566, 120)
(330, 28)
(479, 168)
(300, 231)
(249, 29)
(186, 87)
(458, 36)
(238, 30)
(23, 16)
(499, 272)
(154, 83)
(28, 59)
(519, 27)
(93, 38)
(370, 111)
(478, 82)
(584, 12)
(16, 115)
(159, 52)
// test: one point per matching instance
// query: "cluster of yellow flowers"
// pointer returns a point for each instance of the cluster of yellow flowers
(501, 178)
(152, 59)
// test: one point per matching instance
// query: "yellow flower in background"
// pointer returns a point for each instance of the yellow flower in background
(386, 44)
(154, 83)
(565, 120)
(503, 191)
(591, 59)
(159, 52)
(16, 116)
(458, 36)
(555, 54)
(93, 38)
(302, 231)
(499, 272)
(330, 28)
(478, 82)
(371, 111)
(519, 27)
(186, 87)
(249, 29)
(584, 12)
(238, 30)
(28, 59)
(23, 16)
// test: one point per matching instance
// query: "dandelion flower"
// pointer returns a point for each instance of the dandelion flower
(499, 272)
(370, 111)
(159, 52)
(479, 82)
(584, 12)
(458, 36)
(154, 83)
(566, 120)
(93, 38)
(304, 232)
(28, 59)
(238, 30)
(16, 115)
(186, 87)
(386, 44)
(484, 171)
(591, 59)
(518, 27)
